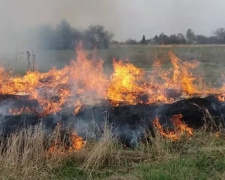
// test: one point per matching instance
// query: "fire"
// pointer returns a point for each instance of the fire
(84, 80)
(125, 84)
(182, 75)
(17, 111)
(78, 106)
(128, 84)
(76, 143)
(180, 128)
(54, 89)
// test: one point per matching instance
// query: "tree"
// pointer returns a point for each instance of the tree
(97, 36)
(220, 34)
(131, 41)
(201, 39)
(156, 39)
(181, 38)
(173, 39)
(190, 35)
(68, 35)
(61, 37)
(143, 41)
(163, 39)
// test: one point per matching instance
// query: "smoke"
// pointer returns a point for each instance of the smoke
(126, 19)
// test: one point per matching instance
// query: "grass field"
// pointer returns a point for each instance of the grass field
(201, 156)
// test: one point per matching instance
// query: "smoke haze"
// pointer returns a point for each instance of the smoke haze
(126, 19)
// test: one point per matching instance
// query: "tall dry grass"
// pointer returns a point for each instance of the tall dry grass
(103, 153)
(24, 154)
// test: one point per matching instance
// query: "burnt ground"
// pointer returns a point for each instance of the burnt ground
(128, 123)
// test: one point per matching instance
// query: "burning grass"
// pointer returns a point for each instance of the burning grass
(25, 155)
(83, 82)
(34, 153)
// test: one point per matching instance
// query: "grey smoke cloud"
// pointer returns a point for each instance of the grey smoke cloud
(126, 18)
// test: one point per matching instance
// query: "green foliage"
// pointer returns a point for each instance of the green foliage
(202, 166)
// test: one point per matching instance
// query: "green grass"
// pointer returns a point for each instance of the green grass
(202, 166)
(200, 157)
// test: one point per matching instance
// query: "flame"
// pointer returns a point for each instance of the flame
(76, 143)
(83, 82)
(17, 111)
(53, 89)
(84, 79)
(182, 75)
(78, 106)
(128, 84)
(180, 128)
(125, 84)
(217, 134)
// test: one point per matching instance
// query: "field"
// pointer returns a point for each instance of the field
(211, 58)
(201, 156)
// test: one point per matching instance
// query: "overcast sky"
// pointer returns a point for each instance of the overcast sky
(125, 18)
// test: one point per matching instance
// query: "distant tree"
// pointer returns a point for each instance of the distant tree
(97, 36)
(143, 41)
(156, 39)
(181, 38)
(114, 42)
(173, 39)
(212, 40)
(201, 39)
(190, 35)
(220, 34)
(68, 36)
(131, 41)
(61, 37)
(163, 39)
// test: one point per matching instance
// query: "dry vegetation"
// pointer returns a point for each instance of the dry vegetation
(24, 155)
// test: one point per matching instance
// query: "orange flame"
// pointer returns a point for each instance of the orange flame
(180, 128)
(78, 106)
(84, 79)
(125, 83)
(76, 143)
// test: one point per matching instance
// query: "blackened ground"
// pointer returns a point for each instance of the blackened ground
(129, 123)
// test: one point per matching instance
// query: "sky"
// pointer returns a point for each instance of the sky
(124, 18)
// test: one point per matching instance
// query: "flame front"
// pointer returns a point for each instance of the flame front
(83, 82)
(180, 129)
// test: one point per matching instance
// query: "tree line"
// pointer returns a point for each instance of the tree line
(218, 37)
(64, 36)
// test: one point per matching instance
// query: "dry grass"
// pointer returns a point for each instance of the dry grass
(103, 153)
(24, 155)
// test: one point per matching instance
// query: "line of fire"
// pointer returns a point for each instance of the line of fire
(132, 102)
